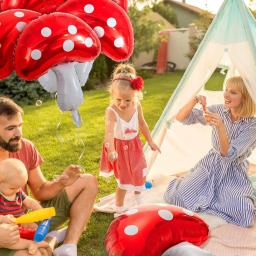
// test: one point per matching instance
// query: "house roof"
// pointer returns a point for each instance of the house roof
(188, 7)
(154, 16)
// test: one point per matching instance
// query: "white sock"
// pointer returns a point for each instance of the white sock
(66, 250)
(58, 234)
(138, 198)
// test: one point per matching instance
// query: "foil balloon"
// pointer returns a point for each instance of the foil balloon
(57, 42)
(83, 70)
(12, 23)
(123, 4)
(51, 40)
(109, 21)
(152, 229)
(49, 81)
(43, 6)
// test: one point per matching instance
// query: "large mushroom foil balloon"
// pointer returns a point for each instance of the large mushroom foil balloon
(151, 229)
(57, 42)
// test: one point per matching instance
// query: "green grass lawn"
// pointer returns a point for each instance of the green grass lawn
(61, 144)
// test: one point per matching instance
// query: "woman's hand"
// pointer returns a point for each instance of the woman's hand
(213, 119)
(201, 100)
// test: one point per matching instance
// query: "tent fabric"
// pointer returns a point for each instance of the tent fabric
(230, 41)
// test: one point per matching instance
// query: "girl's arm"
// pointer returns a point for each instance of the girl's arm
(187, 109)
(110, 120)
(145, 130)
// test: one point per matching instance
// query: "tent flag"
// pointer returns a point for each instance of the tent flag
(230, 41)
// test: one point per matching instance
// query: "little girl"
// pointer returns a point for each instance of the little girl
(122, 152)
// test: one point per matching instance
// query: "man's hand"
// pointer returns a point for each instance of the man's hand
(70, 175)
(9, 234)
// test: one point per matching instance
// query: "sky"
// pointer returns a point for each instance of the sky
(210, 5)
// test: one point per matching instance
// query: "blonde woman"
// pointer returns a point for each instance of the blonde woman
(219, 184)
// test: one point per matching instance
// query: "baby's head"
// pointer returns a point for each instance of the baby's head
(239, 96)
(13, 176)
(125, 88)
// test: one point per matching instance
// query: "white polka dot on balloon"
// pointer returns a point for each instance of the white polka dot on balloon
(131, 230)
(99, 31)
(111, 22)
(88, 42)
(188, 212)
(19, 14)
(68, 45)
(21, 25)
(165, 214)
(36, 54)
(88, 8)
(46, 32)
(72, 29)
(132, 211)
(119, 42)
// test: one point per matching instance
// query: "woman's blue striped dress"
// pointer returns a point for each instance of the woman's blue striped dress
(219, 185)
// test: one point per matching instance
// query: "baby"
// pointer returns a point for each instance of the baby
(13, 201)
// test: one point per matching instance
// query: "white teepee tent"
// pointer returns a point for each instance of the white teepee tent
(229, 41)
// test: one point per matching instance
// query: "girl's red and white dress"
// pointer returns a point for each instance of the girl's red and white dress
(130, 167)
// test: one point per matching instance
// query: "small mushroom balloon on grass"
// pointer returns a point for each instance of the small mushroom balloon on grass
(151, 229)
(54, 43)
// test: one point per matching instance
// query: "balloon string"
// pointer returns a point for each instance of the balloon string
(58, 129)
(81, 156)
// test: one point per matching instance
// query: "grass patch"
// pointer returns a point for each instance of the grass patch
(61, 144)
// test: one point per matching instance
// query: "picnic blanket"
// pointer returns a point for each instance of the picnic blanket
(225, 239)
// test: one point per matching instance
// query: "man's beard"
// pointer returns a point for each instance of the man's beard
(11, 147)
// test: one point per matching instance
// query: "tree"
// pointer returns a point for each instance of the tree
(167, 12)
(201, 26)
(146, 31)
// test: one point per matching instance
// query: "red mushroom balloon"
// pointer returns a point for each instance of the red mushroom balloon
(123, 4)
(109, 21)
(43, 6)
(152, 229)
(57, 41)
(54, 39)
(12, 23)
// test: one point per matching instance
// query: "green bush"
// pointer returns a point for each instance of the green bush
(101, 71)
(21, 91)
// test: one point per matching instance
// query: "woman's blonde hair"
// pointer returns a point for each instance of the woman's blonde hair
(248, 106)
(123, 71)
